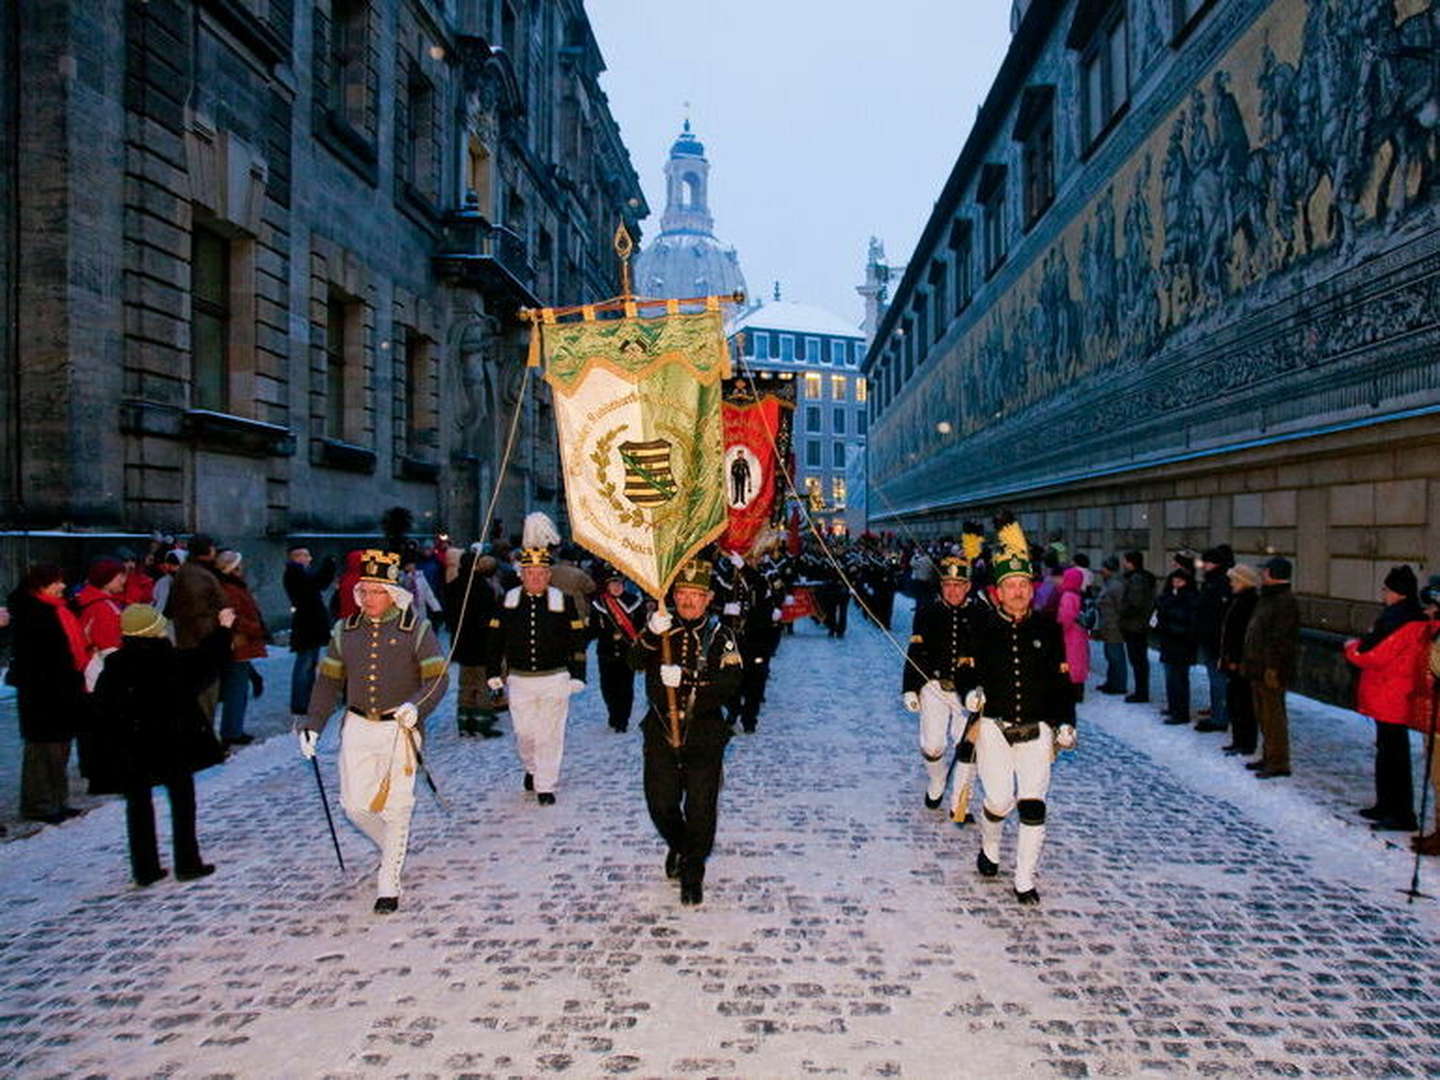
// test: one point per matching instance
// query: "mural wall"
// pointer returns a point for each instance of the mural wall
(1233, 245)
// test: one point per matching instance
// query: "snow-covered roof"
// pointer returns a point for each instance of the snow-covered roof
(795, 318)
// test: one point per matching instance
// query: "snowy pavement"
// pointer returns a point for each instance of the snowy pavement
(1194, 922)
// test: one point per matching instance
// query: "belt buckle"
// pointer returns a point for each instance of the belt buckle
(948, 685)
(373, 715)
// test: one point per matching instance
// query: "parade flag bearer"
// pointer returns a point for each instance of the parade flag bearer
(692, 666)
(384, 663)
(1028, 711)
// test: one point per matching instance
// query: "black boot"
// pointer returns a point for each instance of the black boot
(692, 893)
(672, 864)
(985, 866)
(386, 905)
(485, 726)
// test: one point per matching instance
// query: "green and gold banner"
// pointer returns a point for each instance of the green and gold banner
(638, 406)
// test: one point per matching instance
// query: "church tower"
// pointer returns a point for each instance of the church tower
(686, 259)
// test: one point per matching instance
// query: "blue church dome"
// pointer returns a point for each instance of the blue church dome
(687, 145)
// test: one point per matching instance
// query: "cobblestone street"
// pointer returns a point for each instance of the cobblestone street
(1194, 921)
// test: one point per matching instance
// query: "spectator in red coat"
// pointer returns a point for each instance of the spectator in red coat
(1393, 659)
(99, 605)
(139, 586)
(247, 643)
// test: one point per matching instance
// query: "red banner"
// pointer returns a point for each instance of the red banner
(751, 483)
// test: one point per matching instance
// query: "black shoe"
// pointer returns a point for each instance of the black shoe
(1029, 896)
(1395, 825)
(1372, 813)
(985, 866)
(1254, 766)
(749, 729)
(1175, 721)
(1136, 699)
(1110, 689)
(194, 873)
(546, 798)
(672, 864)
(692, 893)
(240, 740)
(387, 905)
(68, 812)
(150, 878)
(529, 782)
(1209, 726)
(1270, 774)
(48, 819)
(933, 803)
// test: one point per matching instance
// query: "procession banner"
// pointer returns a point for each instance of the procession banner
(755, 422)
(638, 407)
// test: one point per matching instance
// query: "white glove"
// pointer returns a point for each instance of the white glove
(308, 739)
(732, 608)
(911, 701)
(495, 683)
(1065, 737)
(576, 685)
(660, 622)
(737, 560)
(407, 715)
(975, 700)
(776, 615)
(670, 674)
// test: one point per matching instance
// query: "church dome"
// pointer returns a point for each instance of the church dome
(687, 145)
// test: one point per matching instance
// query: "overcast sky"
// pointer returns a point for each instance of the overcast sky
(824, 121)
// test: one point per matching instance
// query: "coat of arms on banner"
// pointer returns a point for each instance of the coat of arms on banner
(638, 406)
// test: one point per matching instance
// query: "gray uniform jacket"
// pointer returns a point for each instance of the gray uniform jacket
(373, 667)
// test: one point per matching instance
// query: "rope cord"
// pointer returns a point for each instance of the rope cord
(780, 467)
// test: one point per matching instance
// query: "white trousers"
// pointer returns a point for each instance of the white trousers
(942, 719)
(539, 705)
(369, 753)
(1008, 774)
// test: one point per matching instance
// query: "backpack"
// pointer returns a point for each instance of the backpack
(1088, 617)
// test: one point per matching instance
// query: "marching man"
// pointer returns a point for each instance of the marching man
(939, 676)
(616, 616)
(1028, 711)
(386, 666)
(692, 666)
(539, 636)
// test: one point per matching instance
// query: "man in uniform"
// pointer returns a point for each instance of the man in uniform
(1028, 711)
(539, 636)
(692, 666)
(384, 663)
(616, 616)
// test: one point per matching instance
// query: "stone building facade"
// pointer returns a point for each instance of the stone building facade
(265, 259)
(822, 353)
(1180, 288)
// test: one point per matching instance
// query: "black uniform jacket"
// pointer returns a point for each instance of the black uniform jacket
(711, 666)
(612, 641)
(1021, 667)
(940, 645)
(539, 632)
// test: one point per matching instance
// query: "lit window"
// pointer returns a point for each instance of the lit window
(813, 493)
(812, 386)
(837, 387)
(837, 492)
(862, 390)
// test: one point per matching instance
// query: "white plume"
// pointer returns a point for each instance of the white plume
(539, 531)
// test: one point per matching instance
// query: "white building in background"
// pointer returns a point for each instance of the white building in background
(823, 353)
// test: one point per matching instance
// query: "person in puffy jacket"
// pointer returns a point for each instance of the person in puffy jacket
(1176, 612)
(1077, 641)
(1394, 692)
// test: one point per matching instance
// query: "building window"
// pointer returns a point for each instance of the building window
(1035, 131)
(837, 453)
(812, 350)
(341, 317)
(908, 345)
(209, 321)
(838, 422)
(478, 190)
(837, 387)
(837, 492)
(1104, 77)
(941, 294)
(812, 386)
(812, 417)
(787, 348)
(963, 263)
(417, 140)
(856, 353)
(812, 453)
(862, 422)
(349, 67)
(419, 401)
(813, 494)
(861, 389)
(992, 210)
(839, 352)
(762, 345)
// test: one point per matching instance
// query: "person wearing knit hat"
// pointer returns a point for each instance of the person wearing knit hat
(1027, 708)
(239, 677)
(1271, 651)
(152, 731)
(537, 635)
(1393, 690)
(937, 677)
(385, 665)
(99, 606)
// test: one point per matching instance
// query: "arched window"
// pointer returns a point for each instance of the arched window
(690, 190)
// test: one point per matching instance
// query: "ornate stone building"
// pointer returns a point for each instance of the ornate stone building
(1181, 287)
(264, 258)
(686, 259)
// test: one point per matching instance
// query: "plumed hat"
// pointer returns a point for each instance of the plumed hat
(379, 567)
(972, 540)
(539, 531)
(534, 556)
(954, 568)
(1014, 555)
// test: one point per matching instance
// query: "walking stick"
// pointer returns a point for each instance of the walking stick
(671, 698)
(1428, 782)
(425, 771)
(315, 762)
